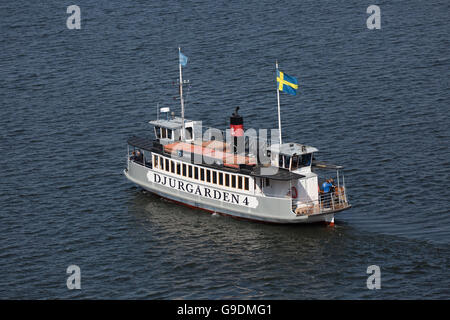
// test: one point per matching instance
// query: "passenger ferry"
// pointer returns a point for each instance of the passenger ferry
(233, 173)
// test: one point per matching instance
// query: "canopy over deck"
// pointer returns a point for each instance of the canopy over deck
(175, 123)
(278, 173)
(141, 143)
(293, 148)
(323, 165)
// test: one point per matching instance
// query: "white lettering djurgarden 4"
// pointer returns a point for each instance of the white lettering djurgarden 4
(203, 191)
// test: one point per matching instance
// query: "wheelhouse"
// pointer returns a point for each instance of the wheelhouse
(169, 130)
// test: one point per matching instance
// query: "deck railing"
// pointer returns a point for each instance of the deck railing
(327, 202)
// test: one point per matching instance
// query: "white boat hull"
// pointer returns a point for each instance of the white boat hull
(258, 208)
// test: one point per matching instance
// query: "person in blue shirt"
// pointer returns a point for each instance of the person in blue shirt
(327, 186)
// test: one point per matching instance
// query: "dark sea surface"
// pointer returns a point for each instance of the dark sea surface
(374, 101)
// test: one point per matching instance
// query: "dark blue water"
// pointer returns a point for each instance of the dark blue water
(375, 101)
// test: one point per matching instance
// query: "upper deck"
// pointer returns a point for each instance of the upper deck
(212, 154)
(292, 156)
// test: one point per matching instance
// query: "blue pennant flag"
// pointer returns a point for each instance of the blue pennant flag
(183, 59)
(287, 83)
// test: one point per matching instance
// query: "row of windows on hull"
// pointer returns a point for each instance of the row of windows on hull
(201, 174)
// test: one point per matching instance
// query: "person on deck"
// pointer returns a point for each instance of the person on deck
(139, 156)
(333, 186)
(327, 186)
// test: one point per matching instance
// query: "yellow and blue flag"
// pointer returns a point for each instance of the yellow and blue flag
(287, 83)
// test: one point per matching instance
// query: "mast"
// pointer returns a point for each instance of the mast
(278, 98)
(181, 96)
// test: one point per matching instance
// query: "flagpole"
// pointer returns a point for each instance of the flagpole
(181, 95)
(278, 98)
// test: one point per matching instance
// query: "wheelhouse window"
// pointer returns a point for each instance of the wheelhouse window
(306, 159)
(158, 132)
(239, 182)
(167, 164)
(184, 170)
(172, 166)
(233, 181)
(190, 171)
(221, 178)
(214, 177)
(161, 163)
(287, 161)
(189, 133)
(227, 180)
(294, 164)
(208, 175)
(163, 133)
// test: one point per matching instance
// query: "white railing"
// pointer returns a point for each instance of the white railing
(327, 202)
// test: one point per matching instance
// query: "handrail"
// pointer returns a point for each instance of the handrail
(326, 202)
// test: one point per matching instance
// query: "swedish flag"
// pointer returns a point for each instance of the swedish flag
(287, 83)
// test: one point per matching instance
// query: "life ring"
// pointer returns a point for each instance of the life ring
(294, 193)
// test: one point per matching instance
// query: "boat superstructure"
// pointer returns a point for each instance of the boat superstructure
(233, 172)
